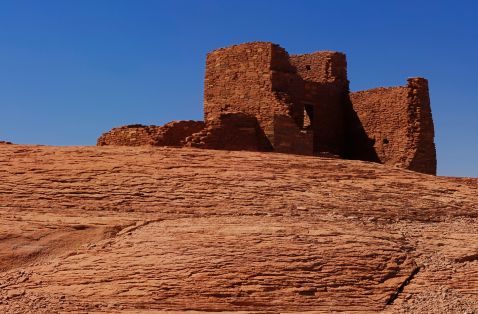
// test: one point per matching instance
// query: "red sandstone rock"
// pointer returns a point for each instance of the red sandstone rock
(148, 229)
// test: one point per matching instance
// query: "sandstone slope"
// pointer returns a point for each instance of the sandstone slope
(140, 229)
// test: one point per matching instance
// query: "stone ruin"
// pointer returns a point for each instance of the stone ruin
(257, 97)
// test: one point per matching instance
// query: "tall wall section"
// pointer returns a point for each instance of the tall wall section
(257, 79)
(326, 88)
(393, 126)
(239, 79)
(421, 126)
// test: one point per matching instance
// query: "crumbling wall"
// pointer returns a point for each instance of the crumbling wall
(257, 97)
(421, 126)
(231, 131)
(174, 133)
(130, 135)
(170, 134)
(325, 90)
(257, 79)
(288, 138)
(238, 79)
(393, 126)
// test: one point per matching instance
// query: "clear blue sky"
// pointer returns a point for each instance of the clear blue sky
(70, 70)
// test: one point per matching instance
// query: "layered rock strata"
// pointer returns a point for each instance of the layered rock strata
(152, 229)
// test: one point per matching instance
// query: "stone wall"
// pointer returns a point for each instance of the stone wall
(231, 131)
(421, 127)
(288, 138)
(257, 79)
(130, 135)
(261, 79)
(325, 92)
(322, 67)
(170, 134)
(174, 133)
(257, 97)
(238, 79)
(393, 126)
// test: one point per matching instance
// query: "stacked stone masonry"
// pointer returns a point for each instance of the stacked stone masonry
(170, 134)
(231, 131)
(257, 97)
(395, 126)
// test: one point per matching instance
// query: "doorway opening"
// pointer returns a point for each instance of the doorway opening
(308, 116)
(310, 124)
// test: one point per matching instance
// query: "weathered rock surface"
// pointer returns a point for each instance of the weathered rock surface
(145, 229)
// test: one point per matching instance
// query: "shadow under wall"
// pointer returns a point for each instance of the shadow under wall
(264, 143)
(358, 145)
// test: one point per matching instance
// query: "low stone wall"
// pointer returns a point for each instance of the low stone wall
(130, 135)
(231, 131)
(170, 134)
(288, 138)
(174, 133)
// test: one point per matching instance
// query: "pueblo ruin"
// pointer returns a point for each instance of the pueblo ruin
(257, 97)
